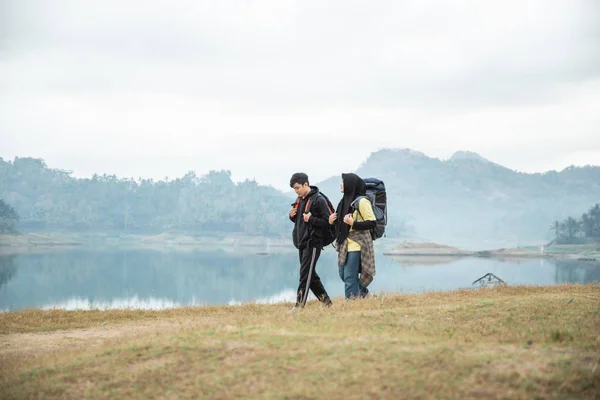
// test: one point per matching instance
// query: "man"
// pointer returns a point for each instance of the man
(310, 215)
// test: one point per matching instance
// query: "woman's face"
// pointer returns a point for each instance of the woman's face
(342, 186)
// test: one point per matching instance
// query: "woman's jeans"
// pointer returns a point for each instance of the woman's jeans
(349, 274)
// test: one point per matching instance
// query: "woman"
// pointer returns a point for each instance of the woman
(353, 237)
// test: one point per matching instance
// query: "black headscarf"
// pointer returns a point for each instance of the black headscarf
(354, 187)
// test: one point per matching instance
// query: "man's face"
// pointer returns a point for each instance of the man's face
(342, 186)
(301, 190)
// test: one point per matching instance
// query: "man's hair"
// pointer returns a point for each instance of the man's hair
(300, 178)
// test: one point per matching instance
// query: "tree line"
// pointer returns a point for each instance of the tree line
(52, 199)
(573, 230)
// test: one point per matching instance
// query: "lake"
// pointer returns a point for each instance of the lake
(84, 278)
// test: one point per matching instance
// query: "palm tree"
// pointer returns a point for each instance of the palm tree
(594, 215)
(572, 228)
(556, 228)
(587, 224)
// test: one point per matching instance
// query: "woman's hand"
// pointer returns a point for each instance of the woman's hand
(332, 218)
(349, 220)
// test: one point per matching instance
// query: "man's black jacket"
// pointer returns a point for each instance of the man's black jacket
(310, 233)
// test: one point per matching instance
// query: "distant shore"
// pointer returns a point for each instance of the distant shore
(34, 240)
(588, 252)
(31, 242)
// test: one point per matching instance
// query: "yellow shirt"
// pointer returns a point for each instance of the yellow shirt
(366, 214)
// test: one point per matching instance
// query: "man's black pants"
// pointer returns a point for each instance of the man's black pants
(309, 279)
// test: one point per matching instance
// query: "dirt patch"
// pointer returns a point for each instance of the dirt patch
(19, 347)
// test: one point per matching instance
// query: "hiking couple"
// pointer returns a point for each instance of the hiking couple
(316, 224)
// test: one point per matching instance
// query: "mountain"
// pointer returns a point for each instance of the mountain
(469, 196)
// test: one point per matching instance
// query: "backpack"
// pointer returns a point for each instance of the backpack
(378, 198)
(329, 233)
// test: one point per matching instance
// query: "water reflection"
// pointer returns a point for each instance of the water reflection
(8, 268)
(151, 303)
(576, 271)
(78, 303)
(150, 279)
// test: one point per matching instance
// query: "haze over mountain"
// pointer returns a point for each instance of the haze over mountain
(469, 196)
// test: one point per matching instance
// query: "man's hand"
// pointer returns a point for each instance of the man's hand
(293, 212)
(307, 217)
(348, 219)
(332, 218)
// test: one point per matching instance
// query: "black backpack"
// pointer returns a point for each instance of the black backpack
(378, 198)
(329, 232)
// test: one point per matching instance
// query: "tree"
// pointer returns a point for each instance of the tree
(571, 228)
(556, 228)
(594, 215)
(590, 222)
(8, 218)
(587, 225)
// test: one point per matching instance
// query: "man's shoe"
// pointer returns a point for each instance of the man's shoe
(294, 309)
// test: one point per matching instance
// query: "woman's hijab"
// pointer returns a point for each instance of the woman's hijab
(354, 187)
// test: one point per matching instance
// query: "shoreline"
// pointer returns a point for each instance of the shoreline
(589, 252)
(35, 242)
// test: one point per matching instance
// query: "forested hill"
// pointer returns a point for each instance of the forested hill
(47, 198)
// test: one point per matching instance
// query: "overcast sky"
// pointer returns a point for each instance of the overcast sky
(266, 88)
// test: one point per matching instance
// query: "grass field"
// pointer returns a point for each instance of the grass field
(507, 342)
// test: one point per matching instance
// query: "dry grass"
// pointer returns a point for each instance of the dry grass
(512, 342)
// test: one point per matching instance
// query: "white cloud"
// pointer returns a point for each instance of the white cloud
(267, 88)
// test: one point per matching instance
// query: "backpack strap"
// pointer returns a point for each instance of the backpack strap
(297, 204)
(355, 204)
(327, 203)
